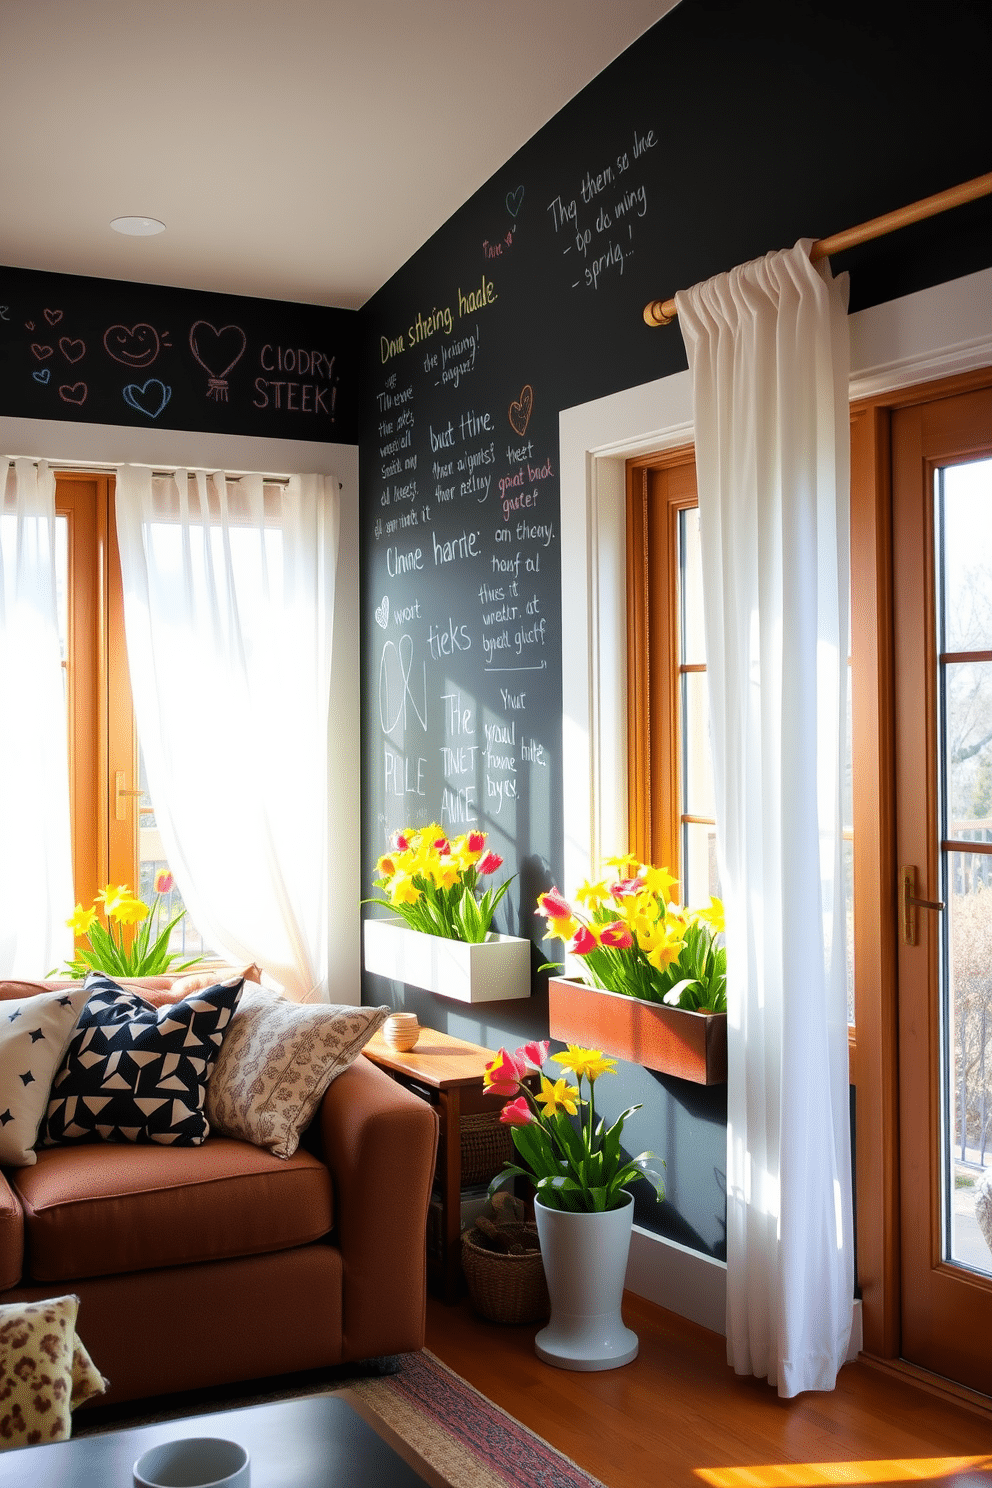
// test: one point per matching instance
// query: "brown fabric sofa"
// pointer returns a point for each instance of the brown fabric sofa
(198, 1266)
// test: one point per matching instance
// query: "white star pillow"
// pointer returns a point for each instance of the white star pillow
(34, 1034)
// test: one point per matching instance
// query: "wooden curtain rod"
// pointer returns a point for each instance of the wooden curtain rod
(663, 312)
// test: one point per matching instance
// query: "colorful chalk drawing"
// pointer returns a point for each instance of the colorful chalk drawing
(150, 398)
(520, 410)
(73, 351)
(53, 317)
(42, 375)
(73, 392)
(215, 349)
(135, 346)
(41, 352)
(382, 612)
(514, 200)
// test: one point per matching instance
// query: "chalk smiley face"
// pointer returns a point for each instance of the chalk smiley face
(135, 346)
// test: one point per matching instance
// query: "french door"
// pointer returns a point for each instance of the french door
(942, 599)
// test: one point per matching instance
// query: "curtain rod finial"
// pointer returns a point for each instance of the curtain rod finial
(656, 313)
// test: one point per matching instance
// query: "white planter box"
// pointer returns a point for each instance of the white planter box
(496, 970)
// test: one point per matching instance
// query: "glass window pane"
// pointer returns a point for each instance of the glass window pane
(967, 541)
(701, 879)
(155, 876)
(692, 648)
(968, 1124)
(968, 747)
(698, 786)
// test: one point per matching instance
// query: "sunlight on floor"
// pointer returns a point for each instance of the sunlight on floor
(892, 1470)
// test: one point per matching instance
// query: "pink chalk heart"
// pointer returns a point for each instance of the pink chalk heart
(41, 352)
(53, 316)
(135, 346)
(74, 392)
(72, 350)
(217, 351)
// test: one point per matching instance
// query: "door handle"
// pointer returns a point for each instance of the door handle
(121, 794)
(909, 904)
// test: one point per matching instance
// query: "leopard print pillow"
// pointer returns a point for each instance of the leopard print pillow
(45, 1372)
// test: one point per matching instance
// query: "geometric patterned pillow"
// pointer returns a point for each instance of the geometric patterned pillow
(135, 1073)
(44, 1371)
(34, 1032)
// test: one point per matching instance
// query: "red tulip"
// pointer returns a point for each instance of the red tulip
(476, 842)
(517, 1113)
(503, 1074)
(618, 935)
(490, 863)
(554, 905)
(584, 942)
(535, 1054)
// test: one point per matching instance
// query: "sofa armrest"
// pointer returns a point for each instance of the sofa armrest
(380, 1144)
(11, 1236)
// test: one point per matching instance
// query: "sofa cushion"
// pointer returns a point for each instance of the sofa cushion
(34, 1033)
(134, 1073)
(10, 989)
(11, 1236)
(97, 1210)
(277, 1060)
(44, 1371)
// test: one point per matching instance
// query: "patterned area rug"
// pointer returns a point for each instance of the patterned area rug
(466, 1439)
(453, 1436)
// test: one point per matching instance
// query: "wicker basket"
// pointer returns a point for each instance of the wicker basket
(506, 1288)
(486, 1146)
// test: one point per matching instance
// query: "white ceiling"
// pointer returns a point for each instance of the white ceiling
(296, 149)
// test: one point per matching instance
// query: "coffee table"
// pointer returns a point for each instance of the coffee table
(317, 1442)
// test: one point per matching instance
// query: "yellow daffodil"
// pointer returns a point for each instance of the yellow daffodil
(714, 916)
(403, 890)
(558, 1097)
(112, 895)
(663, 955)
(81, 919)
(593, 894)
(626, 866)
(589, 1062)
(129, 911)
(658, 881)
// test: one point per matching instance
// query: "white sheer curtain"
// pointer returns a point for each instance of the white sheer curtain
(768, 349)
(35, 845)
(228, 613)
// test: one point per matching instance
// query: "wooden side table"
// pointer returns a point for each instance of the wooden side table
(447, 1071)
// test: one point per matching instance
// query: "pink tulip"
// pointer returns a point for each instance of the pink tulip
(585, 941)
(163, 881)
(517, 1113)
(554, 905)
(476, 842)
(627, 886)
(618, 935)
(503, 1074)
(401, 842)
(490, 863)
(535, 1054)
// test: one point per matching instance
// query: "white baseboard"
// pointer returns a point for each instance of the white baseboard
(693, 1285)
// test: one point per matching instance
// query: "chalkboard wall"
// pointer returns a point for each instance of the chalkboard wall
(105, 352)
(724, 132)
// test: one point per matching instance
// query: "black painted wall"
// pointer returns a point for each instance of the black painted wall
(729, 130)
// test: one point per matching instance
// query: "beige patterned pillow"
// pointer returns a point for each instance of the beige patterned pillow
(45, 1372)
(277, 1059)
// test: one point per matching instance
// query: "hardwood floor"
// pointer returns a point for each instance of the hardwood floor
(678, 1415)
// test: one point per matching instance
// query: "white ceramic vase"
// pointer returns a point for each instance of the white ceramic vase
(585, 1263)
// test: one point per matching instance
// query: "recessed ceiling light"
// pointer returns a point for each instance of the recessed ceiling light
(138, 227)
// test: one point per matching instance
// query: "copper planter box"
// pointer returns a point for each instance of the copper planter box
(691, 1046)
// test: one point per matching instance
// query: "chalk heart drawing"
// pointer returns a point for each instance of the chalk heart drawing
(73, 392)
(382, 612)
(41, 352)
(148, 399)
(72, 350)
(42, 375)
(135, 346)
(217, 352)
(53, 316)
(514, 200)
(29, 325)
(519, 411)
